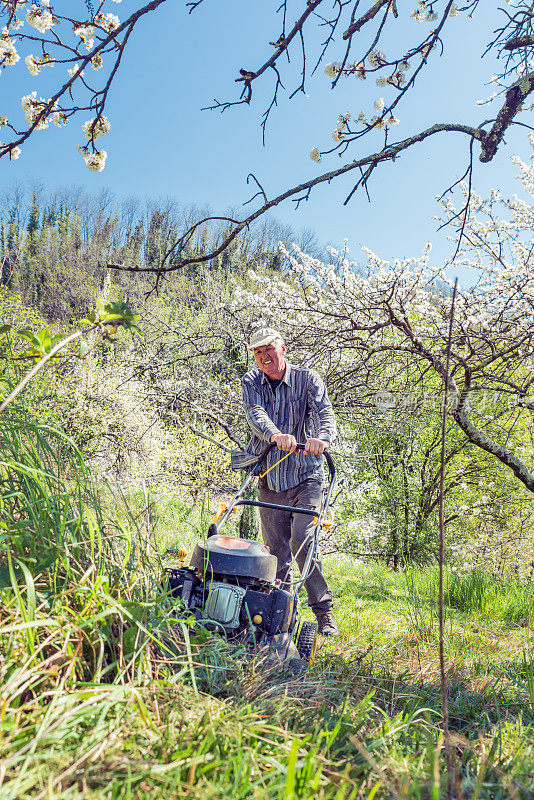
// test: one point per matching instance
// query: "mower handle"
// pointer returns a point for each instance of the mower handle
(300, 446)
(256, 469)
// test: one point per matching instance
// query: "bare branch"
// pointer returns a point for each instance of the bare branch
(388, 153)
(369, 15)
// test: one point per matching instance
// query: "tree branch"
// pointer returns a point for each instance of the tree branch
(369, 15)
(474, 434)
(209, 438)
(388, 153)
(515, 97)
(518, 41)
(505, 456)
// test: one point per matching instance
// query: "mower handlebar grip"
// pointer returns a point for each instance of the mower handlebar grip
(300, 446)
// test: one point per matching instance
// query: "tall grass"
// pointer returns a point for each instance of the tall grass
(473, 593)
(77, 592)
(108, 692)
(503, 599)
(51, 517)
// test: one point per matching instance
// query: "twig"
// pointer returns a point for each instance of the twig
(209, 438)
(373, 11)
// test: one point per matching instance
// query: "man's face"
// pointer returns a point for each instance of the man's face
(271, 359)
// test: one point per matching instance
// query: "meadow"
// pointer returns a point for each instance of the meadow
(108, 692)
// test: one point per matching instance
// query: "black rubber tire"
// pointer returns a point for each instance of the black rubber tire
(295, 669)
(307, 641)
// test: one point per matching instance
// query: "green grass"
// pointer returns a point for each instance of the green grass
(105, 693)
(477, 592)
(393, 618)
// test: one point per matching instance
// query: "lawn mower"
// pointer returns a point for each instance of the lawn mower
(230, 584)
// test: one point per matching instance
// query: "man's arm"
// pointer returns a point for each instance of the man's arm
(319, 402)
(255, 413)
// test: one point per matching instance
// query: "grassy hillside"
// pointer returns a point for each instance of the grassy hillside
(364, 723)
(106, 693)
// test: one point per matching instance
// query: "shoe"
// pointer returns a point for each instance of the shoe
(327, 625)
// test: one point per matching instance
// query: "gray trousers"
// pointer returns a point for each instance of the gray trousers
(289, 536)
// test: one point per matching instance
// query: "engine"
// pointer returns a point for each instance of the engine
(231, 586)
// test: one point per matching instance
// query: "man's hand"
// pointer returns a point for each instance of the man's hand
(284, 441)
(315, 447)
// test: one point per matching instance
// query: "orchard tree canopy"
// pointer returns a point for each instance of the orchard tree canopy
(386, 328)
(386, 42)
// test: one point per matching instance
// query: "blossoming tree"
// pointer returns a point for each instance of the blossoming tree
(385, 328)
(89, 48)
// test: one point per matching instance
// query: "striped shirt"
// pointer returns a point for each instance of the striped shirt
(300, 406)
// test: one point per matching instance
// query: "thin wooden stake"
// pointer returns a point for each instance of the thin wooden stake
(147, 518)
(443, 676)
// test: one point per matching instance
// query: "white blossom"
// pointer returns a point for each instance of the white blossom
(101, 127)
(8, 52)
(59, 119)
(108, 21)
(86, 34)
(15, 23)
(39, 18)
(377, 58)
(417, 14)
(33, 65)
(13, 153)
(379, 104)
(73, 70)
(315, 154)
(95, 162)
(333, 69)
(32, 108)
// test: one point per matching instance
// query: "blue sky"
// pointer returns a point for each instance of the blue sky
(162, 144)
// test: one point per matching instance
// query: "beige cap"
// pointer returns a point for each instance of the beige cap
(263, 336)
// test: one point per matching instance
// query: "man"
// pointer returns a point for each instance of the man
(287, 404)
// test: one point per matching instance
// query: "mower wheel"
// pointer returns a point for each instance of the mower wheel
(295, 669)
(307, 641)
